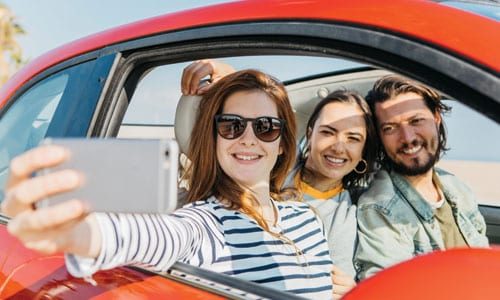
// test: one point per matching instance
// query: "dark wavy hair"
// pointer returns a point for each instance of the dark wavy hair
(353, 179)
(390, 86)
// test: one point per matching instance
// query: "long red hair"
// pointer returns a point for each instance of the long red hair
(205, 176)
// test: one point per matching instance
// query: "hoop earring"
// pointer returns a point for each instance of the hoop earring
(305, 152)
(364, 169)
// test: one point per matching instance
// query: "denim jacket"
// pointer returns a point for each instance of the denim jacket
(395, 223)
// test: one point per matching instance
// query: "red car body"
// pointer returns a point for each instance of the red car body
(469, 37)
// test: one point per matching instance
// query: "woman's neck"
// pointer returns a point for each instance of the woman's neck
(262, 194)
(317, 180)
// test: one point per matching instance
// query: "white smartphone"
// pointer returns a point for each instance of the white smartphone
(121, 175)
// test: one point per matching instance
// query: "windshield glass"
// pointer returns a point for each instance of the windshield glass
(484, 8)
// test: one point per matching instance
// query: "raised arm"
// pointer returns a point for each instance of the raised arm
(192, 74)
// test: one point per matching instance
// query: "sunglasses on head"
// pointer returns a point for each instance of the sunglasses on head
(266, 129)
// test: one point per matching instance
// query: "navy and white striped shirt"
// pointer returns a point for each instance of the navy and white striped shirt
(208, 235)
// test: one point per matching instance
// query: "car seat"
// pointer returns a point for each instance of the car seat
(185, 117)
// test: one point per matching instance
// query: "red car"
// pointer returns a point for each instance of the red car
(124, 82)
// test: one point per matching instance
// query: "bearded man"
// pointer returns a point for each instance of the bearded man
(412, 207)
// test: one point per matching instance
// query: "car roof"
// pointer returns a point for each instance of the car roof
(416, 19)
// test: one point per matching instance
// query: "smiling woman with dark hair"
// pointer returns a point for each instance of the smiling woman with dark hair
(333, 170)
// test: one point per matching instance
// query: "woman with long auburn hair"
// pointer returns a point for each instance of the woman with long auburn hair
(241, 149)
(333, 166)
(206, 177)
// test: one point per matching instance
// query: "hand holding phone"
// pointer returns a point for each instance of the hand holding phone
(121, 175)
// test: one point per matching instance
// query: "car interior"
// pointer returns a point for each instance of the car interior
(305, 92)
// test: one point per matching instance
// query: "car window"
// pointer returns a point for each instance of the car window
(46, 109)
(151, 111)
(26, 122)
(474, 151)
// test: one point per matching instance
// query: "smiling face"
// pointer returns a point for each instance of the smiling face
(336, 141)
(246, 159)
(409, 133)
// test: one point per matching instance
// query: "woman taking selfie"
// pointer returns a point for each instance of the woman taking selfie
(333, 167)
(235, 223)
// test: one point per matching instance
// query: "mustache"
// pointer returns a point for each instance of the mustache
(412, 144)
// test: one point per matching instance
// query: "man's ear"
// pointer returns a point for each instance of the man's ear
(437, 118)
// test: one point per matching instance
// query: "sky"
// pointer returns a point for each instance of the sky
(51, 23)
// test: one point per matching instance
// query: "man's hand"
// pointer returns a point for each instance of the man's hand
(195, 72)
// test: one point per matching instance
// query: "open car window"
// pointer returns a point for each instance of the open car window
(473, 155)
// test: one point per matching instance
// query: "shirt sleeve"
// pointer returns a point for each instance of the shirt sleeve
(152, 241)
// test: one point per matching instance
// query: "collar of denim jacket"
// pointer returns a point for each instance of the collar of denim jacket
(416, 201)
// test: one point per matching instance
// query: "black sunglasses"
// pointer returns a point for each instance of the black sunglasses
(266, 129)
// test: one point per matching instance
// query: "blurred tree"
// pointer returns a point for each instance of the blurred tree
(10, 51)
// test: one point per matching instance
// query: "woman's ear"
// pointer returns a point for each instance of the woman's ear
(308, 134)
(308, 138)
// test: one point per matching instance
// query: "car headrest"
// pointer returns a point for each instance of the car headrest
(185, 116)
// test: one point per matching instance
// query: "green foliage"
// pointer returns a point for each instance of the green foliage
(11, 57)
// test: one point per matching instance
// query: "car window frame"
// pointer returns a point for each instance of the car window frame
(440, 68)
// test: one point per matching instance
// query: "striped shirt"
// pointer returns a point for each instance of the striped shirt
(207, 235)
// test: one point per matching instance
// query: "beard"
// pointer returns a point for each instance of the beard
(418, 165)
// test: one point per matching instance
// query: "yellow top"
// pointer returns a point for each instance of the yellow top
(309, 190)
